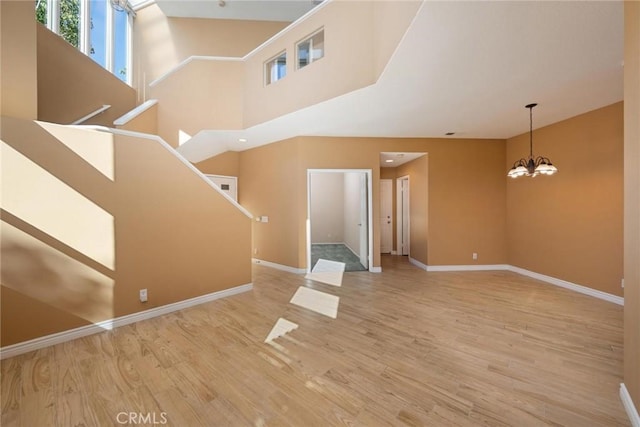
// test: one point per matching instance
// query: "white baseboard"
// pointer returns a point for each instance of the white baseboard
(280, 266)
(632, 412)
(542, 277)
(83, 331)
(479, 267)
(375, 269)
(568, 285)
(394, 252)
(418, 264)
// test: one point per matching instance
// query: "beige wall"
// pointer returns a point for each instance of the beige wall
(466, 211)
(18, 60)
(227, 164)
(202, 95)
(64, 97)
(632, 201)
(145, 122)
(417, 171)
(327, 207)
(346, 24)
(569, 225)
(391, 19)
(161, 43)
(156, 208)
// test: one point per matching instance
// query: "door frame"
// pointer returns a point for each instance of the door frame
(369, 175)
(399, 216)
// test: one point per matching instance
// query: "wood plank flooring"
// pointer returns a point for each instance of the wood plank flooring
(407, 348)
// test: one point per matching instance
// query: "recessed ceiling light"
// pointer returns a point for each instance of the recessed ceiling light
(389, 161)
(242, 139)
(450, 133)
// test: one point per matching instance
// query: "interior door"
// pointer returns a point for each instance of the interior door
(228, 184)
(364, 222)
(403, 215)
(386, 213)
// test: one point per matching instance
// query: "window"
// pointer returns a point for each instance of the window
(94, 27)
(276, 68)
(311, 49)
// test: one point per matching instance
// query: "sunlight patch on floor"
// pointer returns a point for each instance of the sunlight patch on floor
(281, 327)
(326, 271)
(317, 301)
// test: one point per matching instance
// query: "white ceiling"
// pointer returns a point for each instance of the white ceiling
(468, 68)
(258, 10)
(395, 159)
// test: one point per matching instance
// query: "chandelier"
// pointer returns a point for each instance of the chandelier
(532, 166)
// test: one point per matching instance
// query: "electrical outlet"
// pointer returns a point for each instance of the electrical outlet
(622, 283)
(255, 251)
(475, 255)
(143, 295)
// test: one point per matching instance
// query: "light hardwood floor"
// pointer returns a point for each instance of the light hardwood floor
(407, 348)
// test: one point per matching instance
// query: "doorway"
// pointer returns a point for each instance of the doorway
(339, 226)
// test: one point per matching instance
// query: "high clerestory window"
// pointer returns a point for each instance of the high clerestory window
(275, 68)
(95, 27)
(310, 49)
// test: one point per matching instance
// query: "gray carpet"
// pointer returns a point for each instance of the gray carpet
(336, 252)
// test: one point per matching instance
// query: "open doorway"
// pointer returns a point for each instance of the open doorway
(339, 224)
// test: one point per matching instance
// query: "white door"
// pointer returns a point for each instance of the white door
(403, 215)
(386, 213)
(228, 184)
(364, 222)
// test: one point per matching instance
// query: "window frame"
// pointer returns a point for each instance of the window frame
(84, 38)
(309, 38)
(267, 70)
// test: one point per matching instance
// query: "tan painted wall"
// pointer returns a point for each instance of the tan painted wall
(270, 185)
(327, 207)
(466, 211)
(158, 208)
(227, 164)
(64, 97)
(202, 95)
(569, 225)
(632, 201)
(18, 60)
(161, 43)
(417, 170)
(145, 122)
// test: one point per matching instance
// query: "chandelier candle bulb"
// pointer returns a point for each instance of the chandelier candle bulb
(532, 166)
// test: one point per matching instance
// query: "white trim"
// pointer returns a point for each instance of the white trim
(375, 269)
(169, 148)
(83, 331)
(568, 285)
(126, 118)
(191, 59)
(105, 107)
(479, 267)
(418, 264)
(627, 402)
(542, 277)
(281, 267)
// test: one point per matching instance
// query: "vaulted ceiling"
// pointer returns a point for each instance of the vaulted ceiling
(469, 68)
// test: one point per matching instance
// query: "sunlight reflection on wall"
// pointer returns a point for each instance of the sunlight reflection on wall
(40, 199)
